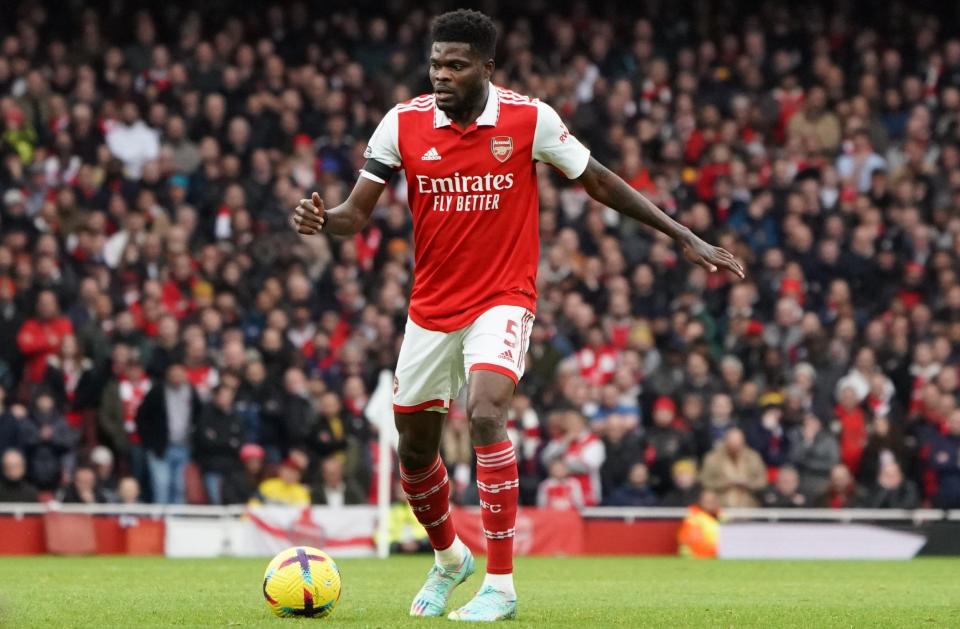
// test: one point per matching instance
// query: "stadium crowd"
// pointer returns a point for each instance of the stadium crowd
(166, 336)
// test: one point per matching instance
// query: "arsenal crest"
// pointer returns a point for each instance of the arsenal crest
(501, 147)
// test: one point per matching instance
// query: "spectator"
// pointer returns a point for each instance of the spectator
(685, 489)
(70, 376)
(559, 491)
(132, 141)
(14, 486)
(885, 442)
(623, 448)
(814, 453)
(11, 424)
(768, 437)
(945, 455)
(853, 428)
(49, 443)
(815, 122)
(128, 491)
(285, 488)
(892, 491)
(217, 436)
(581, 451)
(785, 492)
(41, 336)
(164, 422)
(734, 471)
(333, 488)
(101, 460)
(636, 492)
(721, 420)
(857, 165)
(119, 406)
(240, 485)
(842, 492)
(666, 442)
(83, 489)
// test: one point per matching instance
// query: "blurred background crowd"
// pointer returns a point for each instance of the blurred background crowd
(165, 336)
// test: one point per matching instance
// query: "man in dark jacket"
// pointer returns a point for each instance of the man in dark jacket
(164, 423)
(945, 457)
(785, 492)
(83, 489)
(892, 491)
(665, 444)
(11, 423)
(623, 447)
(636, 492)
(49, 442)
(14, 486)
(217, 435)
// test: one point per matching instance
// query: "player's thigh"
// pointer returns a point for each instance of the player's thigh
(423, 379)
(498, 341)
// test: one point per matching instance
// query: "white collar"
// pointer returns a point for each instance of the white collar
(488, 118)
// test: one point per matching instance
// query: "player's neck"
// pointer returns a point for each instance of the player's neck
(467, 117)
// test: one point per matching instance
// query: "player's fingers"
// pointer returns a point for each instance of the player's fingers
(733, 267)
(709, 266)
(317, 203)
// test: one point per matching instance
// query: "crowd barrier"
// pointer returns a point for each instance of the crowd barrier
(211, 531)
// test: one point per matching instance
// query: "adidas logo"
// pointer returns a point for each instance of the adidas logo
(506, 355)
(432, 155)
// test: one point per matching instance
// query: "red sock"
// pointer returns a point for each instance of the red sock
(499, 492)
(428, 492)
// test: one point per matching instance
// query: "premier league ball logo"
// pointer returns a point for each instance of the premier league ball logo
(501, 147)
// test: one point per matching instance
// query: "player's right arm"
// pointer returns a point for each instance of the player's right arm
(351, 216)
(348, 218)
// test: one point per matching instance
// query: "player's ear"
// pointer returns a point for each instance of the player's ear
(488, 69)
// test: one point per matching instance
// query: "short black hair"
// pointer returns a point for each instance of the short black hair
(469, 27)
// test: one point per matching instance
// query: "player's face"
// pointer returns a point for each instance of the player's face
(458, 75)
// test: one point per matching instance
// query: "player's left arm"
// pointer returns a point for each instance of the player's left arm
(608, 188)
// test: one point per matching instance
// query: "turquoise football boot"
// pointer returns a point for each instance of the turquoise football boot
(487, 606)
(432, 598)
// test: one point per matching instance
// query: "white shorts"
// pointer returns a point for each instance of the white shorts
(433, 366)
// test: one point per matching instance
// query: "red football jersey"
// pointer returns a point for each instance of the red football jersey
(473, 195)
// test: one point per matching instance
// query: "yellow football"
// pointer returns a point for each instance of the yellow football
(302, 581)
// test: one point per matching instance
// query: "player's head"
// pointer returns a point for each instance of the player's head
(461, 58)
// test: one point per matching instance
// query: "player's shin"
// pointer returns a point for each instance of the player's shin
(428, 492)
(499, 485)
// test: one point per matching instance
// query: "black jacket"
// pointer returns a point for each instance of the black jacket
(217, 437)
(152, 424)
(18, 491)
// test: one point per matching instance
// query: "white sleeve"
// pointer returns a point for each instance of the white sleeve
(383, 145)
(553, 144)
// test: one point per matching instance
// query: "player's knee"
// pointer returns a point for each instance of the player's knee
(415, 455)
(488, 421)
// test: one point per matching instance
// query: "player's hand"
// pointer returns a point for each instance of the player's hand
(308, 217)
(709, 257)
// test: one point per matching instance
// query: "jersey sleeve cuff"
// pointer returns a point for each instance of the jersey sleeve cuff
(377, 171)
(580, 166)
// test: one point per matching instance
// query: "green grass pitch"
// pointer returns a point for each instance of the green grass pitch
(53, 592)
